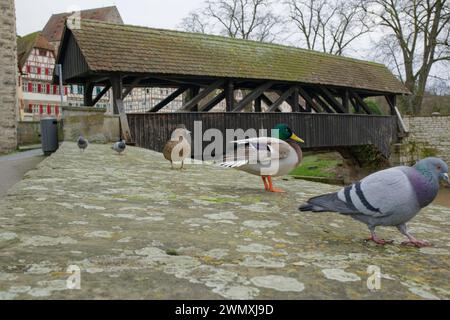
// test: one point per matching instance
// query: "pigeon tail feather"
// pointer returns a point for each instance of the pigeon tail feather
(328, 203)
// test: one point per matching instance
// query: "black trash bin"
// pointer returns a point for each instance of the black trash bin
(49, 135)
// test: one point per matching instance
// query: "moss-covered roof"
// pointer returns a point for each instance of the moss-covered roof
(130, 49)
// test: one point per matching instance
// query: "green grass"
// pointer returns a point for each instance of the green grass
(317, 165)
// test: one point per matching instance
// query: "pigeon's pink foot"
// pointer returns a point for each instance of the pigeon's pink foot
(417, 243)
(381, 242)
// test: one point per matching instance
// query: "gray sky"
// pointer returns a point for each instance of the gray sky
(32, 15)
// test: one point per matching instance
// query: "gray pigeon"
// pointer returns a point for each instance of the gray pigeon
(119, 147)
(389, 197)
(82, 143)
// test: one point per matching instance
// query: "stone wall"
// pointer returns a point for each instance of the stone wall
(92, 123)
(29, 133)
(8, 77)
(428, 136)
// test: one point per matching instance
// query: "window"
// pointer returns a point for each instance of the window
(35, 88)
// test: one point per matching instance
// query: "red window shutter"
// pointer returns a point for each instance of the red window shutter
(30, 87)
(39, 87)
(49, 109)
(41, 109)
(39, 70)
(30, 108)
(57, 110)
(66, 91)
(48, 88)
(28, 69)
(54, 89)
(46, 71)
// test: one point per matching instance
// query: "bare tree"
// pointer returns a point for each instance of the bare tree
(194, 23)
(328, 25)
(417, 38)
(245, 19)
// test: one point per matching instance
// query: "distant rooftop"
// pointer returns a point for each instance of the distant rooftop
(54, 28)
(26, 43)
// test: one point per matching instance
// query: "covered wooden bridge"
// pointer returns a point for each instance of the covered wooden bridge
(325, 94)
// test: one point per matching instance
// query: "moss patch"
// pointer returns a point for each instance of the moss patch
(321, 165)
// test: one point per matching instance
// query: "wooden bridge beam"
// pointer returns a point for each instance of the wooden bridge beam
(321, 102)
(213, 102)
(169, 99)
(201, 95)
(101, 94)
(283, 97)
(360, 101)
(332, 100)
(130, 88)
(310, 104)
(253, 95)
(266, 100)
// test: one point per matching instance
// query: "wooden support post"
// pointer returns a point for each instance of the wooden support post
(214, 102)
(360, 101)
(258, 104)
(229, 96)
(283, 97)
(101, 94)
(392, 101)
(87, 94)
(116, 82)
(295, 100)
(252, 96)
(169, 99)
(332, 100)
(345, 101)
(194, 101)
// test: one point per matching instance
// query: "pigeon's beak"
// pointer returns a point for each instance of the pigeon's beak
(444, 176)
(295, 138)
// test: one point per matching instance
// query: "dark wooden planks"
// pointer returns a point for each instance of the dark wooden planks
(151, 130)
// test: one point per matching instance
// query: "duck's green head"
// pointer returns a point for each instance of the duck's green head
(283, 132)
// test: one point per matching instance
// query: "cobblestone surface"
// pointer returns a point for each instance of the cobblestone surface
(138, 230)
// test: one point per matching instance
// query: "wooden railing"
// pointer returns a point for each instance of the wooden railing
(152, 130)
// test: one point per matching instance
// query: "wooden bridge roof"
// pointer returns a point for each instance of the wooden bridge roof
(111, 48)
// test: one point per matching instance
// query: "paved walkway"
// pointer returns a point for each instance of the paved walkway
(14, 166)
(138, 230)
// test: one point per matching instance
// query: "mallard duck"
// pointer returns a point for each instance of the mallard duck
(267, 156)
(178, 148)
